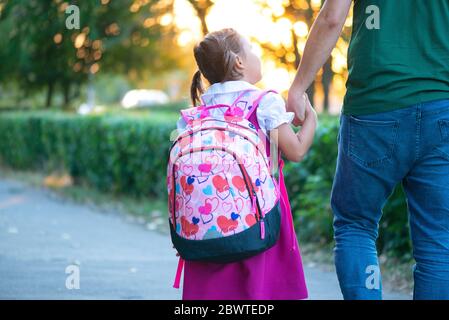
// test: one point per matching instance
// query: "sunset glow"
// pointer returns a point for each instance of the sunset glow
(246, 17)
(261, 24)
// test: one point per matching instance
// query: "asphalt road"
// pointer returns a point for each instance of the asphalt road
(48, 246)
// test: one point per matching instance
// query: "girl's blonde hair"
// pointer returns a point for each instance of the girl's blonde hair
(215, 56)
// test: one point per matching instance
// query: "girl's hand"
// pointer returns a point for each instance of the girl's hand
(294, 146)
(310, 111)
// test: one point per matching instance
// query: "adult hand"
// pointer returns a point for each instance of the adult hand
(297, 102)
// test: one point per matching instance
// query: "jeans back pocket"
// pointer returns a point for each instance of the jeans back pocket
(372, 142)
(443, 147)
(444, 129)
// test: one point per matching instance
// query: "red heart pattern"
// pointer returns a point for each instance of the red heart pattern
(250, 220)
(188, 228)
(227, 225)
(220, 183)
(188, 188)
(239, 183)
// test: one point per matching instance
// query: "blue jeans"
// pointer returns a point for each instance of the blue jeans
(375, 153)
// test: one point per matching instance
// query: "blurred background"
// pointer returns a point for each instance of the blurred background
(124, 45)
(89, 111)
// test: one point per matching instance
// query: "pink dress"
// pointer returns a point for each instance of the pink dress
(276, 274)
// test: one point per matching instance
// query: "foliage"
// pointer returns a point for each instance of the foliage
(39, 51)
(300, 15)
(127, 154)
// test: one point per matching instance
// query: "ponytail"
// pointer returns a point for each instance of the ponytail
(196, 88)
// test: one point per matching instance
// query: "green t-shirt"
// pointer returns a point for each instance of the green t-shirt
(404, 62)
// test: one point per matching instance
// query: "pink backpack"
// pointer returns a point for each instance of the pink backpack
(223, 200)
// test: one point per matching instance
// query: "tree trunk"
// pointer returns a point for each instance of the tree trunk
(328, 75)
(202, 16)
(77, 91)
(202, 9)
(311, 93)
(66, 92)
(296, 50)
(50, 90)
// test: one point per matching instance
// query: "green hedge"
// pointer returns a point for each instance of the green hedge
(122, 154)
(113, 153)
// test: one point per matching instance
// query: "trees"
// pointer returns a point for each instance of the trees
(134, 38)
(202, 8)
(28, 52)
(38, 51)
(300, 15)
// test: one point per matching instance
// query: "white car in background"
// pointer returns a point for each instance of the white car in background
(144, 98)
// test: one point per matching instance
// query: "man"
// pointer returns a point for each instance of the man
(394, 129)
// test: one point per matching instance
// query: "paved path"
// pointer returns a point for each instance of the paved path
(41, 235)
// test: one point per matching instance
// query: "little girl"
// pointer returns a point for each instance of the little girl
(227, 62)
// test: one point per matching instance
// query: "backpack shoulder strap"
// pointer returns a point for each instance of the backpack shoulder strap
(256, 102)
(241, 96)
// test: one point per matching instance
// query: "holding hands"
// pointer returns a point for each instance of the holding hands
(294, 146)
(299, 103)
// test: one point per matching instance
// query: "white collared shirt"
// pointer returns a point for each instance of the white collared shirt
(271, 112)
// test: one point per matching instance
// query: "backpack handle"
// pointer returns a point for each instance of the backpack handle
(231, 110)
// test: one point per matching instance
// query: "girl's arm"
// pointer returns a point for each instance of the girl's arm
(294, 146)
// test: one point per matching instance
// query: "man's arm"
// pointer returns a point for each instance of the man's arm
(320, 43)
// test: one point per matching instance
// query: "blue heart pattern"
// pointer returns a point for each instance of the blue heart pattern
(195, 220)
(208, 190)
(190, 180)
(234, 216)
(212, 233)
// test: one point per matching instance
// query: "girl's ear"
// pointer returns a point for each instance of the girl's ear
(239, 63)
